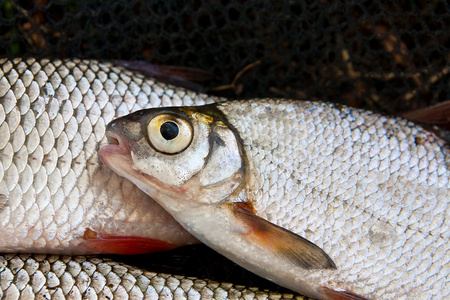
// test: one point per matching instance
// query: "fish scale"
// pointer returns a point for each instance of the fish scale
(28, 276)
(371, 191)
(53, 116)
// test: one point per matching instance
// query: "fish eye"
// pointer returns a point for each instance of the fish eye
(169, 134)
(169, 130)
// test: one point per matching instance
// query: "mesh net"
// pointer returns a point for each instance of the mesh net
(388, 56)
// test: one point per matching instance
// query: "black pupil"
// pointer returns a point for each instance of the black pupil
(169, 130)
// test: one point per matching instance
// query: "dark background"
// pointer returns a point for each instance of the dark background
(388, 56)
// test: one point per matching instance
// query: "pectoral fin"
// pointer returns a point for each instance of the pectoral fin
(283, 242)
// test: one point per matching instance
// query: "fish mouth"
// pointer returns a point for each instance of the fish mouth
(117, 154)
(117, 145)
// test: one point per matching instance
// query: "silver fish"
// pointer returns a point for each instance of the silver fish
(55, 194)
(78, 277)
(57, 197)
(329, 201)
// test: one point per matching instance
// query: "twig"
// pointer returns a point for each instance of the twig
(232, 85)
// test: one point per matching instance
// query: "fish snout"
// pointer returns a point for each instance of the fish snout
(117, 142)
(113, 133)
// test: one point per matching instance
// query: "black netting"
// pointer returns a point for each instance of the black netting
(389, 56)
(386, 55)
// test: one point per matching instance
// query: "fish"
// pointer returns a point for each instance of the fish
(329, 201)
(26, 276)
(56, 197)
(57, 200)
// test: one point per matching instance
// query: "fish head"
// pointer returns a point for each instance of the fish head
(182, 156)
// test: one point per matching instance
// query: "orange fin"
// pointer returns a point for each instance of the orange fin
(184, 77)
(438, 114)
(128, 245)
(344, 295)
(293, 247)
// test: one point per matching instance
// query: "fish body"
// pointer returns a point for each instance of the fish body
(57, 197)
(55, 194)
(28, 276)
(330, 201)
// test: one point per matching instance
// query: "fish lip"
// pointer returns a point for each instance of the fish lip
(117, 146)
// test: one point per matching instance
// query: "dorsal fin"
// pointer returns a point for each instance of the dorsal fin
(438, 114)
(184, 77)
